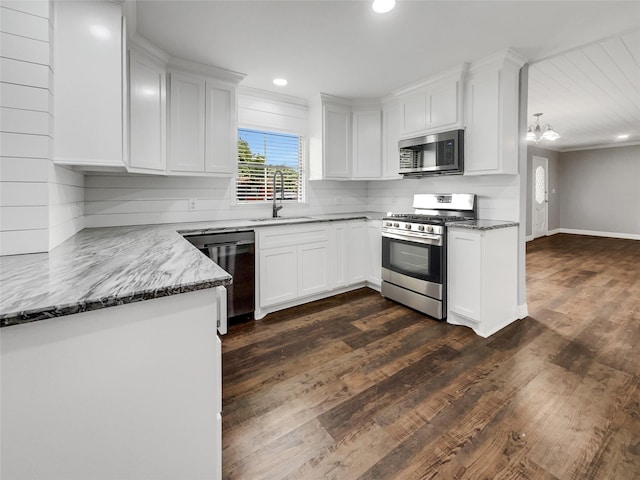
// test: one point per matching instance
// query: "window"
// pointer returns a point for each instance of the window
(260, 154)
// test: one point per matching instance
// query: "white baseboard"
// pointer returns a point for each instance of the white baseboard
(553, 232)
(528, 238)
(594, 233)
(522, 311)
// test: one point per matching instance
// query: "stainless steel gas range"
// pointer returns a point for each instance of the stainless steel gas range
(414, 251)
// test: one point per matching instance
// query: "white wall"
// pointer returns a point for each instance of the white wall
(25, 144)
(600, 192)
(34, 198)
(498, 195)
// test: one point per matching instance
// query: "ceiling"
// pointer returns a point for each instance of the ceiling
(343, 48)
(589, 95)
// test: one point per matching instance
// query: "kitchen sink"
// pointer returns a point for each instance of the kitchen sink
(267, 219)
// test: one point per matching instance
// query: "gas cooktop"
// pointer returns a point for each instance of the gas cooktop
(427, 219)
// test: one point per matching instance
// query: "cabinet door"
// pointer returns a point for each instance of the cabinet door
(444, 105)
(336, 140)
(414, 111)
(465, 274)
(374, 229)
(147, 114)
(391, 126)
(339, 254)
(220, 128)
(278, 275)
(358, 253)
(482, 115)
(313, 268)
(187, 122)
(367, 142)
(90, 84)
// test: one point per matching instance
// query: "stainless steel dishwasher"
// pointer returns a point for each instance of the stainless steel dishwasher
(235, 253)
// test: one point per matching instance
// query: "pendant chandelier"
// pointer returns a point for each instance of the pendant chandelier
(537, 133)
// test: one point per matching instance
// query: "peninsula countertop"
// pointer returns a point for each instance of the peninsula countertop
(104, 267)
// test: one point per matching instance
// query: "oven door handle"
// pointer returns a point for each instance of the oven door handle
(425, 239)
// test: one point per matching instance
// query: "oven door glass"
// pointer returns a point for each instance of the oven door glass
(416, 260)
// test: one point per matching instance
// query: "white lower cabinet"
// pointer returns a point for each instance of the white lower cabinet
(304, 262)
(349, 253)
(339, 254)
(374, 234)
(313, 268)
(482, 278)
(293, 262)
(278, 275)
(358, 252)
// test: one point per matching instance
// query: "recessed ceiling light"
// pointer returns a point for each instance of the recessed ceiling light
(623, 136)
(281, 82)
(383, 6)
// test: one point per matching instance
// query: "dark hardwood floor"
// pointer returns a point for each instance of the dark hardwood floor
(358, 387)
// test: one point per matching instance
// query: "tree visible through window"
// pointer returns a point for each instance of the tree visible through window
(260, 154)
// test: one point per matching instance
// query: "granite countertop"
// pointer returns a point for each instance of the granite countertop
(480, 224)
(104, 267)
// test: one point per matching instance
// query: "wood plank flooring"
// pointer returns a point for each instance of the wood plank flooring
(358, 387)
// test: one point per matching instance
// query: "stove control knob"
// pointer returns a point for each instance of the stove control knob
(396, 224)
(429, 229)
(421, 228)
(388, 224)
(408, 226)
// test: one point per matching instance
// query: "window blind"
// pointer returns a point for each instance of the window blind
(260, 154)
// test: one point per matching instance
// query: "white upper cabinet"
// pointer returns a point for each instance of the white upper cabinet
(329, 138)
(186, 123)
(491, 115)
(367, 144)
(221, 128)
(89, 91)
(202, 124)
(432, 105)
(345, 141)
(391, 127)
(147, 112)
(336, 140)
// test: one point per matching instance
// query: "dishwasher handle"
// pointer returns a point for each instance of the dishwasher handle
(228, 244)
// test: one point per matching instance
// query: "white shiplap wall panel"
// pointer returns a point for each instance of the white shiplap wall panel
(22, 194)
(134, 200)
(26, 49)
(14, 120)
(498, 195)
(22, 23)
(23, 218)
(38, 8)
(66, 203)
(16, 242)
(24, 73)
(24, 169)
(24, 97)
(40, 204)
(23, 145)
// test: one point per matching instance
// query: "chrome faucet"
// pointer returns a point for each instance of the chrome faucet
(276, 208)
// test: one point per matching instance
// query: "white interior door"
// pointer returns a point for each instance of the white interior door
(540, 197)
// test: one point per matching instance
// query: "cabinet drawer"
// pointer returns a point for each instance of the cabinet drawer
(272, 237)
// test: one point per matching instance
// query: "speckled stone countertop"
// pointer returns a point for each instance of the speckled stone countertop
(483, 224)
(104, 267)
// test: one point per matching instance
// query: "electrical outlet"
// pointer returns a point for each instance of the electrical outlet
(193, 204)
(338, 200)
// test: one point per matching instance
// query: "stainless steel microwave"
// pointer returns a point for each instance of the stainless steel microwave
(437, 154)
